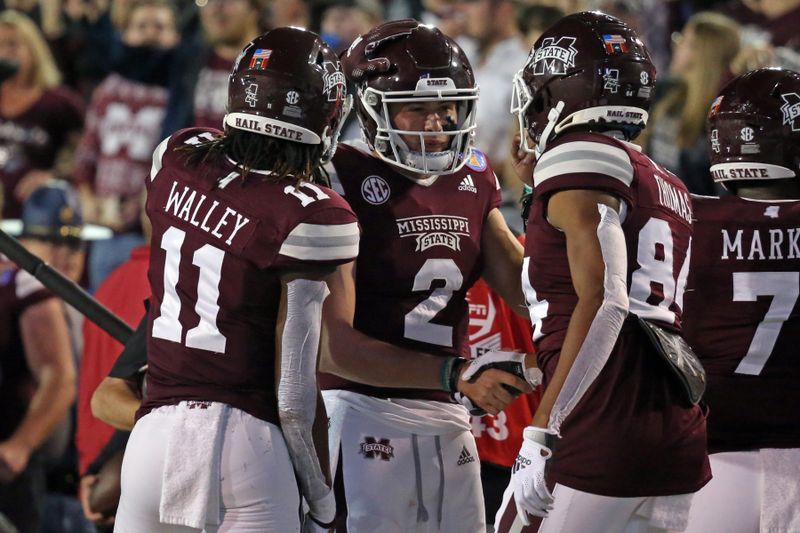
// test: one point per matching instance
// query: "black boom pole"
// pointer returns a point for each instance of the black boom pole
(67, 289)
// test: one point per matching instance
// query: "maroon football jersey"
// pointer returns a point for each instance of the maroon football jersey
(743, 320)
(32, 139)
(420, 252)
(123, 125)
(647, 443)
(18, 291)
(219, 245)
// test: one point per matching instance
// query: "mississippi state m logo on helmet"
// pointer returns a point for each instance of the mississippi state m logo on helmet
(555, 56)
(791, 110)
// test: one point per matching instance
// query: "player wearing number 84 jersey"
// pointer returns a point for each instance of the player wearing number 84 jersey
(742, 311)
(615, 444)
(243, 238)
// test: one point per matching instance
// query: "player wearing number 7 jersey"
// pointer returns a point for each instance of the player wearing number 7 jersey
(427, 204)
(742, 313)
(615, 444)
(243, 237)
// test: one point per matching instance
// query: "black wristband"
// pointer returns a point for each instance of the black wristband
(455, 373)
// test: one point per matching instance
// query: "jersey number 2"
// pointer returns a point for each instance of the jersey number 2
(418, 324)
(206, 335)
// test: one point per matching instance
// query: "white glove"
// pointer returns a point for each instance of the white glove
(511, 362)
(527, 475)
(464, 400)
(321, 513)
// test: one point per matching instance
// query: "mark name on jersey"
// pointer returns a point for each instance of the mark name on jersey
(191, 206)
(764, 244)
(674, 199)
(433, 230)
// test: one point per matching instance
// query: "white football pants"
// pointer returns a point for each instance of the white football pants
(258, 492)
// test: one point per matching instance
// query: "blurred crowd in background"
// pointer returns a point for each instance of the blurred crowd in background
(89, 88)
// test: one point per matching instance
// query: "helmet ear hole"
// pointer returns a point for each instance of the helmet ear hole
(539, 103)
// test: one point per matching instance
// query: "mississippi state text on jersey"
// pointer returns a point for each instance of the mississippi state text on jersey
(420, 252)
(647, 442)
(743, 320)
(219, 245)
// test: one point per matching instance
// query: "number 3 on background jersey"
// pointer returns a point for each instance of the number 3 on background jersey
(206, 335)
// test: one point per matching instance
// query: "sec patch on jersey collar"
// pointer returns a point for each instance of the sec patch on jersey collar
(477, 161)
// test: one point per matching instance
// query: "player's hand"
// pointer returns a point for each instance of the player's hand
(84, 491)
(522, 161)
(14, 458)
(509, 361)
(489, 390)
(531, 495)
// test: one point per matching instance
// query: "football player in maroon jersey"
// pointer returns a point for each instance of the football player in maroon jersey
(741, 311)
(617, 442)
(243, 235)
(427, 205)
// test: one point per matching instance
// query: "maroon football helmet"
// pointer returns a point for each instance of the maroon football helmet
(287, 83)
(401, 62)
(588, 69)
(754, 127)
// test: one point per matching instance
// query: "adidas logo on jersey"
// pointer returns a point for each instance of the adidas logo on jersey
(465, 457)
(468, 185)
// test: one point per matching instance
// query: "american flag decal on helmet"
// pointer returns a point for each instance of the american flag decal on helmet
(260, 58)
(615, 44)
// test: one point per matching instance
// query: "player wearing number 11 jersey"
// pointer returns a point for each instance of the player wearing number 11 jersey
(742, 312)
(613, 445)
(243, 237)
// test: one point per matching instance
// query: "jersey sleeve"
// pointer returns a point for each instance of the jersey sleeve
(584, 162)
(327, 236)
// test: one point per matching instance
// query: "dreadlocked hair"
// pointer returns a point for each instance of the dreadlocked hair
(253, 151)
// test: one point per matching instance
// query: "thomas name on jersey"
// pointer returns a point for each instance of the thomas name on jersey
(764, 244)
(190, 206)
(673, 199)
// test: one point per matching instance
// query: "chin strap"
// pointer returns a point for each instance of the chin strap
(552, 120)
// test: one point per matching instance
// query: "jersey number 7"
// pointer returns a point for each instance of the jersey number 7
(784, 287)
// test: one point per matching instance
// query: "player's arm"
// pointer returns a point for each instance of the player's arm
(47, 350)
(598, 264)
(353, 355)
(115, 403)
(296, 351)
(502, 268)
(117, 398)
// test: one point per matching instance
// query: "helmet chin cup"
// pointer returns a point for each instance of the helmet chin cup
(552, 120)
